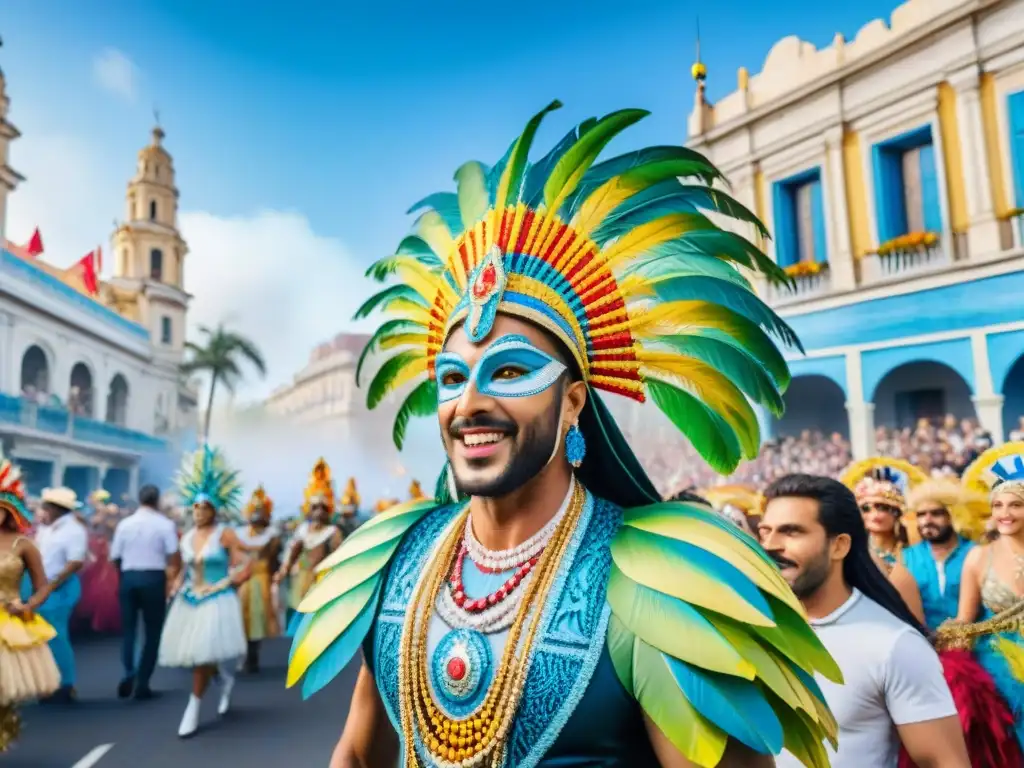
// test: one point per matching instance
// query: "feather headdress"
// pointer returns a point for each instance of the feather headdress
(259, 500)
(999, 468)
(743, 497)
(883, 479)
(12, 495)
(350, 498)
(616, 259)
(968, 509)
(206, 476)
(320, 489)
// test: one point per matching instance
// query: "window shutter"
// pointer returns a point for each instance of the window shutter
(804, 223)
(1016, 118)
(818, 217)
(784, 216)
(913, 199)
(892, 218)
(930, 204)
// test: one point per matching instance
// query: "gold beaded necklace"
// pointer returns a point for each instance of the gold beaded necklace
(480, 738)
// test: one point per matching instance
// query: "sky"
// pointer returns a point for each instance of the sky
(302, 132)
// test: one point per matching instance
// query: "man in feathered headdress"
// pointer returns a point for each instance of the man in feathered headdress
(262, 541)
(314, 539)
(506, 617)
(349, 519)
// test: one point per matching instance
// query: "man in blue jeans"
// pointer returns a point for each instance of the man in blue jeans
(63, 544)
(145, 548)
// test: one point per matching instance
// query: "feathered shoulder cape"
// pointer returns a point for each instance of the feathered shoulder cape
(704, 633)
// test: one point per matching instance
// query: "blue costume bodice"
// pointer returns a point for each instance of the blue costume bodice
(573, 710)
(205, 568)
(940, 600)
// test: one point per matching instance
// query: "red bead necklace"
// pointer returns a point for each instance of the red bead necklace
(476, 606)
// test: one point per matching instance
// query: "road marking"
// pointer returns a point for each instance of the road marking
(94, 756)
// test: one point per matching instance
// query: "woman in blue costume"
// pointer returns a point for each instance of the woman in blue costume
(204, 628)
(547, 608)
(991, 614)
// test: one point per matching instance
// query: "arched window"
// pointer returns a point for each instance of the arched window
(117, 401)
(152, 210)
(156, 264)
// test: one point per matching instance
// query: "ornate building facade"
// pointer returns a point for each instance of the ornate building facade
(89, 373)
(890, 171)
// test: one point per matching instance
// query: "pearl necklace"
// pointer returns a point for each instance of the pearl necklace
(497, 561)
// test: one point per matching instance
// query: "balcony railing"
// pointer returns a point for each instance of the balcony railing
(905, 256)
(17, 411)
(805, 285)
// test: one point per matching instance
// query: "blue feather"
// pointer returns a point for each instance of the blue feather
(414, 245)
(446, 204)
(340, 652)
(733, 704)
(537, 175)
(494, 175)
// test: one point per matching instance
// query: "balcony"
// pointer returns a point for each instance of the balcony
(904, 257)
(21, 415)
(809, 281)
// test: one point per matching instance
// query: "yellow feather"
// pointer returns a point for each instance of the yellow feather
(403, 340)
(978, 476)
(1014, 655)
(600, 203)
(700, 379)
(643, 238)
(857, 471)
(411, 370)
(435, 233)
(402, 308)
(422, 279)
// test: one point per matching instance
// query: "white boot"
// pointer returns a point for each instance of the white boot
(227, 686)
(190, 720)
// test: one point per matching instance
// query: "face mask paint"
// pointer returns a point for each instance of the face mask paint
(510, 367)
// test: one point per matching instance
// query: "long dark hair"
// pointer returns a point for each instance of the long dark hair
(839, 513)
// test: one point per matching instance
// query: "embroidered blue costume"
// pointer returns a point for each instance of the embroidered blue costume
(623, 610)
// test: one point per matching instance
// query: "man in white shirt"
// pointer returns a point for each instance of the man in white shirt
(63, 545)
(894, 689)
(145, 548)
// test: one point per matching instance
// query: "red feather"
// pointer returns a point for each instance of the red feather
(985, 717)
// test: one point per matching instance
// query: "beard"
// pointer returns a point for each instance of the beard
(529, 455)
(937, 535)
(812, 576)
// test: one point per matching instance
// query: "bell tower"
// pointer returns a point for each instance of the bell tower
(9, 178)
(149, 252)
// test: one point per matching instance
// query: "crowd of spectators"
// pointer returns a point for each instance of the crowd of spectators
(942, 447)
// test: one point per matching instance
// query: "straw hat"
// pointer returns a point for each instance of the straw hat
(65, 498)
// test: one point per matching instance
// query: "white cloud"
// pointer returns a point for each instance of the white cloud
(115, 72)
(268, 275)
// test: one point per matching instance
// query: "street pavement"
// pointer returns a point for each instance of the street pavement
(268, 726)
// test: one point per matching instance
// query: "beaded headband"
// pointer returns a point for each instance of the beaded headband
(617, 260)
(883, 480)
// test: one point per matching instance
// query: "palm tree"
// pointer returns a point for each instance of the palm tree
(220, 358)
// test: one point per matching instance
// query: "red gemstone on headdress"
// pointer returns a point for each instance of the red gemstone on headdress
(456, 668)
(485, 282)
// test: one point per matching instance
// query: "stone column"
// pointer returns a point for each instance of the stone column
(133, 481)
(837, 221)
(861, 414)
(10, 369)
(988, 404)
(983, 233)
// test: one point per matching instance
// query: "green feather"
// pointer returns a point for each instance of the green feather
(801, 738)
(708, 432)
(422, 401)
(382, 298)
(569, 171)
(664, 262)
(387, 329)
(382, 382)
(740, 368)
(446, 206)
(619, 641)
(749, 338)
(347, 576)
(512, 178)
(474, 199)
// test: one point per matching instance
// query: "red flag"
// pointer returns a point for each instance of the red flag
(35, 245)
(89, 278)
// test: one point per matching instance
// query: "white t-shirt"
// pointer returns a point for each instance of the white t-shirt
(892, 677)
(63, 542)
(144, 540)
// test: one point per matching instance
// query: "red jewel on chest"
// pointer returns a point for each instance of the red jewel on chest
(485, 282)
(456, 668)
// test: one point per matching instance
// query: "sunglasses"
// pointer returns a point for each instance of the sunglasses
(879, 507)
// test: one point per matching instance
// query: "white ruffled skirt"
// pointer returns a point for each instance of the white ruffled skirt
(204, 632)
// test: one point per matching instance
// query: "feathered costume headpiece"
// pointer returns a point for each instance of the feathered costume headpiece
(997, 470)
(206, 476)
(259, 500)
(968, 509)
(350, 498)
(618, 262)
(743, 497)
(12, 495)
(883, 480)
(320, 489)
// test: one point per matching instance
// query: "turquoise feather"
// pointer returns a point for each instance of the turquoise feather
(206, 472)
(342, 650)
(381, 299)
(744, 371)
(388, 328)
(511, 182)
(708, 432)
(735, 705)
(755, 343)
(537, 174)
(665, 262)
(421, 401)
(445, 205)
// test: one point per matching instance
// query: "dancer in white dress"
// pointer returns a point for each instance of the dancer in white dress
(204, 630)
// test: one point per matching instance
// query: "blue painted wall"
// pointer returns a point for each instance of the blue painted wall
(833, 368)
(959, 307)
(875, 364)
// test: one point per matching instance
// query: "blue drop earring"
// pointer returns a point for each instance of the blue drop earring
(575, 446)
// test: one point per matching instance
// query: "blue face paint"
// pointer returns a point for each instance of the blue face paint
(510, 367)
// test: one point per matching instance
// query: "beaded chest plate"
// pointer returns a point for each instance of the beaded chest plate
(562, 659)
